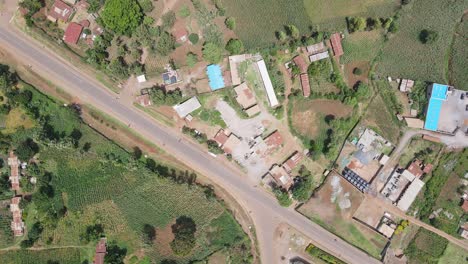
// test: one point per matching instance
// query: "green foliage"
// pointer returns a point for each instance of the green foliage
(93, 232)
(149, 234)
(115, 254)
(165, 44)
(426, 247)
(184, 235)
(356, 24)
(31, 5)
(234, 46)
(192, 59)
(321, 67)
(292, 31)
(146, 5)
(148, 20)
(212, 53)
(357, 71)
(161, 97)
(457, 57)
(121, 16)
(193, 38)
(323, 255)
(230, 23)
(27, 149)
(184, 11)
(94, 6)
(168, 20)
(281, 36)
(363, 91)
(44, 256)
(213, 147)
(118, 68)
(283, 197)
(427, 36)
(212, 116)
(303, 189)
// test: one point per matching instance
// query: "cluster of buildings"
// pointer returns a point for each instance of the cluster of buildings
(62, 11)
(17, 224)
(280, 175)
(404, 184)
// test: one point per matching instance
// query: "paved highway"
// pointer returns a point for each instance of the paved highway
(264, 209)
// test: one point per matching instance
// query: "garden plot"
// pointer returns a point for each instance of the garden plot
(333, 207)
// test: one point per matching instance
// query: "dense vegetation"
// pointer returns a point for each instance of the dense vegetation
(322, 255)
(426, 247)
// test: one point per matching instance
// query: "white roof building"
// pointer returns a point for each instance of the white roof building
(267, 83)
(141, 78)
(408, 197)
(187, 107)
(318, 56)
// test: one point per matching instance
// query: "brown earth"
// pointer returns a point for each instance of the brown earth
(164, 236)
(351, 78)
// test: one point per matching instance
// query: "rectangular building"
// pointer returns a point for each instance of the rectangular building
(408, 197)
(318, 56)
(438, 96)
(267, 83)
(187, 107)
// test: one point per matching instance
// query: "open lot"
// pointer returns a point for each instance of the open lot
(333, 207)
(404, 56)
(424, 150)
(453, 113)
(362, 46)
(332, 14)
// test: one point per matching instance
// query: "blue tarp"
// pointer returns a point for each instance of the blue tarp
(215, 77)
(438, 95)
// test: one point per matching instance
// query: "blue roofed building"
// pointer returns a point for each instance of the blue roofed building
(438, 95)
(215, 77)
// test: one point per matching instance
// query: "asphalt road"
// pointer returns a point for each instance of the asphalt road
(264, 209)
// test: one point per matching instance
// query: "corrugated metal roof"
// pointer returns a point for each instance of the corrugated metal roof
(267, 83)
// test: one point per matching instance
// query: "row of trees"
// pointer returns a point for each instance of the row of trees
(361, 23)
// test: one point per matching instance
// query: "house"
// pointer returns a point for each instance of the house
(415, 168)
(221, 137)
(59, 11)
(231, 143)
(384, 159)
(251, 111)
(410, 195)
(335, 40)
(179, 31)
(463, 231)
(300, 63)
(245, 96)
(101, 251)
(13, 162)
(464, 206)
(267, 83)
(305, 84)
(144, 100)
(72, 33)
(293, 161)
(387, 227)
(274, 140)
(141, 78)
(316, 48)
(187, 107)
(318, 56)
(17, 224)
(406, 85)
(281, 177)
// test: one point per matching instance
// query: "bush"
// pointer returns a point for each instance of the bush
(168, 20)
(357, 71)
(303, 189)
(27, 149)
(184, 235)
(427, 36)
(184, 11)
(356, 24)
(193, 38)
(212, 53)
(146, 5)
(121, 16)
(230, 23)
(283, 197)
(235, 46)
(165, 44)
(192, 59)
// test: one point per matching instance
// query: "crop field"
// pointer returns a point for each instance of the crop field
(332, 14)
(459, 57)
(453, 255)
(404, 56)
(362, 46)
(65, 255)
(258, 20)
(333, 206)
(426, 247)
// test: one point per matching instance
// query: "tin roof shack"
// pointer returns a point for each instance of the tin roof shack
(281, 177)
(101, 251)
(245, 96)
(410, 194)
(293, 161)
(14, 164)
(187, 107)
(318, 56)
(17, 224)
(316, 48)
(335, 41)
(406, 85)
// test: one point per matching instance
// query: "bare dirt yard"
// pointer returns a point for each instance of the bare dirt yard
(306, 114)
(333, 207)
(352, 78)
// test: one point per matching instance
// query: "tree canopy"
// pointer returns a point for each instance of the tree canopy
(212, 52)
(121, 16)
(184, 235)
(427, 36)
(235, 46)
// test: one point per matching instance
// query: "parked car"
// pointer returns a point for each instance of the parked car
(462, 96)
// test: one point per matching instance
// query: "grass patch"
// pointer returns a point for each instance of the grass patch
(422, 149)
(404, 56)
(453, 255)
(211, 116)
(64, 255)
(382, 120)
(458, 62)
(426, 247)
(17, 118)
(362, 46)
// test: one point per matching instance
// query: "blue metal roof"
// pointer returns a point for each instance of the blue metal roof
(215, 77)
(438, 95)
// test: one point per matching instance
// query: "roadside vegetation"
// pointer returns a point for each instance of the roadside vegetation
(87, 187)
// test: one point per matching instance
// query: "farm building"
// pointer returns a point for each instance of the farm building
(101, 251)
(316, 48)
(13, 162)
(406, 85)
(72, 33)
(281, 177)
(293, 161)
(251, 111)
(447, 109)
(245, 96)
(59, 11)
(410, 194)
(267, 83)
(305, 84)
(318, 56)
(17, 224)
(215, 77)
(335, 40)
(187, 107)
(300, 63)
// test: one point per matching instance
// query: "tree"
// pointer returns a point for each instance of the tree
(121, 16)
(31, 5)
(87, 146)
(94, 6)
(357, 71)
(281, 36)
(193, 38)
(212, 52)
(27, 149)
(76, 136)
(282, 197)
(184, 11)
(295, 70)
(149, 234)
(184, 235)
(137, 153)
(146, 5)
(235, 46)
(427, 36)
(168, 20)
(303, 189)
(292, 31)
(230, 23)
(165, 43)
(118, 68)
(356, 24)
(393, 28)
(93, 232)
(192, 59)
(115, 254)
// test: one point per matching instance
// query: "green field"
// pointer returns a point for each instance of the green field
(362, 46)
(258, 20)
(404, 56)
(421, 149)
(426, 247)
(453, 255)
(66, 255)
(93, 181)
(459, 57)
(332, 14)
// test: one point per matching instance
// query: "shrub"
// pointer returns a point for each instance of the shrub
(293, 31)
(282, 197)
(184, 11)
(121, 16)
(357, 71)
(193, 38)
(356, 24)
(168, 20)
(192, 59)
(427, 36)
(230, 23)
(165, 43)
(184, 235)
(235, 46)
(212, 53)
